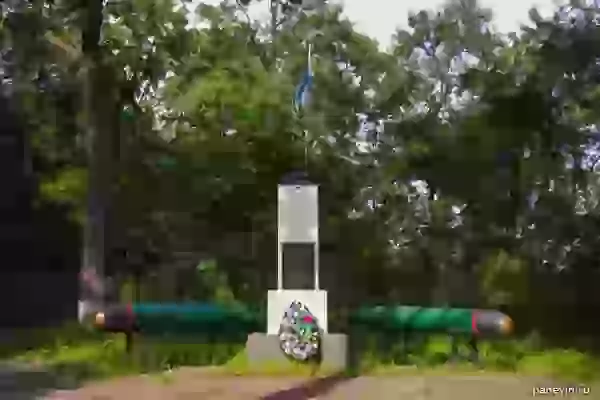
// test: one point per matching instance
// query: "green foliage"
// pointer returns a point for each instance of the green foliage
(522, 356)
(566, 364)
(198, 130)
(212, 284)
(68, 187)
(504, 280)
(82, 355)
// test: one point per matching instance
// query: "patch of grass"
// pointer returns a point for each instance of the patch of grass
(160, 355)
(89, 359)
(84, 355)
(564, 364)
(239, 365)
(526, 356)
(24, 340)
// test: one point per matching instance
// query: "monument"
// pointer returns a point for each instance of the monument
(298, 272)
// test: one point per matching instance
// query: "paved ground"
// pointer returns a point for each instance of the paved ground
(192, 384)
(197, 384)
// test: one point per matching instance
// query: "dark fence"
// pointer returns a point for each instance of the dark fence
(37, 298)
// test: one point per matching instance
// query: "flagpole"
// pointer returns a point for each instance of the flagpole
(274, 11)
(310, 72)
(310, 57)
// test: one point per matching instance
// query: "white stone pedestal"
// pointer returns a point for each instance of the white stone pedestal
(297, 223)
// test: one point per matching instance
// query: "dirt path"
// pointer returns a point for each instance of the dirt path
(197, 384)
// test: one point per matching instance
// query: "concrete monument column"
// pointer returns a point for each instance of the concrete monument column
(298, 266)
(298, 273)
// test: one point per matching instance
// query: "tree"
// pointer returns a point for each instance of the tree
(477, 157)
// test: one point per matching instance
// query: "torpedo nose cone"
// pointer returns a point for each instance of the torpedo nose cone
(506, 325)
(492, 322)
(100, 320)
(114, 319)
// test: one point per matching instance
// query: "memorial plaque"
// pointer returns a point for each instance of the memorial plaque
(298, 213)
(298, 266)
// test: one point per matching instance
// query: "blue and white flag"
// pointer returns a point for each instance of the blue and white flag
(302, 94)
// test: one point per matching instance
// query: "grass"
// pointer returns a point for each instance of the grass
(85, 355)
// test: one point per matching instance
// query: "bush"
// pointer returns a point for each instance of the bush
(24, 340)
(524, 356)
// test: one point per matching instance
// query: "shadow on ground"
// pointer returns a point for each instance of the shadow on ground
(312, 389)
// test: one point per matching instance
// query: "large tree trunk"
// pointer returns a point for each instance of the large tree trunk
(98, 96)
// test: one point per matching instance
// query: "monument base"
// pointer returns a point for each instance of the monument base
(263, 349)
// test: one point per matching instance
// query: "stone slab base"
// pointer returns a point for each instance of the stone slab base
(262, 349)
